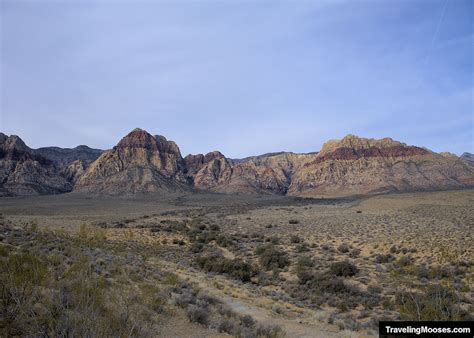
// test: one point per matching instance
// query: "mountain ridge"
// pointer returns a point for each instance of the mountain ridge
(146, 163)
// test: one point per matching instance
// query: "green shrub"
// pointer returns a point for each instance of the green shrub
(198, 314)
(344, 248)
(226, 326)
(272, 258)
(381, 258)
(235, 268)
(326, 284)
(344, 269)
(404, 261)
(295, 239)
(436, 303)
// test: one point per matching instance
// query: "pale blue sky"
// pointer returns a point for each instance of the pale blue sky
(242, 77)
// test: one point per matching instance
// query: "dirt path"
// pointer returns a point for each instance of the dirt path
(241, 301)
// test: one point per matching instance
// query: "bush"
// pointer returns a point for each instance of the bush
(236, 268)
(293, 221)
(343, 248)
(436, 303)
(354, 253)
(269, 331)
(303, 247)
(214, 227)
(222, 241)
(197, 247)
(247, 321)
(325, 284)
(295, 239)
(404, 261)
(226, 325)
(198, 314)
(272, 258)
(381, 258)
(343, 269)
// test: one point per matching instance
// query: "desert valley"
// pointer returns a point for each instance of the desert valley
(140, 241)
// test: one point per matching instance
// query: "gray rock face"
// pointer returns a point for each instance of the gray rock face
(63, 157)
(26, 171)
(468, 157)
(23, 172)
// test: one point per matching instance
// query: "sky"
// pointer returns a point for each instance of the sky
(243, 77)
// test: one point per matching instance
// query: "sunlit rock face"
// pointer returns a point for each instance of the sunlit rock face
(357, 165)
(139, 163)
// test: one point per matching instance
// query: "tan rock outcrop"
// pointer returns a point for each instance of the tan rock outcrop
(139, 163)
(356, 165)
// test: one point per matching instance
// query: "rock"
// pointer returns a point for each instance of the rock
(26, 171)
(139, 163)
(143, 163)
(356, 165)
(468, 157)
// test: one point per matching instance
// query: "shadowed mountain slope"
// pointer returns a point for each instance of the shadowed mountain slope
(25, 172)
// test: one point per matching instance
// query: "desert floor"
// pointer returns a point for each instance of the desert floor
(393, 245)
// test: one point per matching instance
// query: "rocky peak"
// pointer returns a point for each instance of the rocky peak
(13, 148)
(195, 162)
(138, 138)
(25, 172)
(139, 163)
(352, 147)
(358, 143)
(83, 147)
(213, 155)
(14, 142)
(3, 138)
(167, 146)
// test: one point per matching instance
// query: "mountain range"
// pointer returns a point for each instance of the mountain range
(143, 163)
